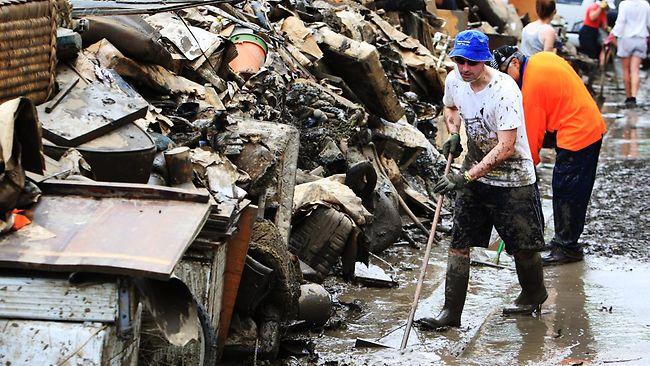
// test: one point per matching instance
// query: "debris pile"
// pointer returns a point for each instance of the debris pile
(324, 114)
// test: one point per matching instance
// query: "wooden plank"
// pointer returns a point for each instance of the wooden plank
(108, 235)
(119, 190)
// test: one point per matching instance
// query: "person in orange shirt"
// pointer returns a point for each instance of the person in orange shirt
(559, 112)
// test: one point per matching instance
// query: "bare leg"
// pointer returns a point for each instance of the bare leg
(635, 65)
(625, 62)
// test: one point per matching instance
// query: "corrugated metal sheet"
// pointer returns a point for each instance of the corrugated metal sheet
(57, 299)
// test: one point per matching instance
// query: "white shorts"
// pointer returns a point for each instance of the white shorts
(632, 46)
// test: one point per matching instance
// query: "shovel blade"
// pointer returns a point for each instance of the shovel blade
(369, 343)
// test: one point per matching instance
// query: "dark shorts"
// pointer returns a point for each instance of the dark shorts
(590, 43)
(515, 212)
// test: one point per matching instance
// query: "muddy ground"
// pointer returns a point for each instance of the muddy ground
(595, 314)
(620, 205)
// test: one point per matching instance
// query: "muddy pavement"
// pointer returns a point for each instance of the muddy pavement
(597, 312)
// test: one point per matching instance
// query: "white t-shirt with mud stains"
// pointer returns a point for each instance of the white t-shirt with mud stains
(498, 107)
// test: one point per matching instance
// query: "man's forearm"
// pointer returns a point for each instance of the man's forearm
(452, 119)
(495, 157)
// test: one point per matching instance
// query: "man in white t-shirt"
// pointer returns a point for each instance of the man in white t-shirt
(497, 184)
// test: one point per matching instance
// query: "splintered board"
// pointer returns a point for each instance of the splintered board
(90, 111)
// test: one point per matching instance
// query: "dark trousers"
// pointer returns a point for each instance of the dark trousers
(573, 180)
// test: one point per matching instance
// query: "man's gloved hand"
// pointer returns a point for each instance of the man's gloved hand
(450, 182)
(453, 146)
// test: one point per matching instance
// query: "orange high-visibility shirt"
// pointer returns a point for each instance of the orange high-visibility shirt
(556, 99)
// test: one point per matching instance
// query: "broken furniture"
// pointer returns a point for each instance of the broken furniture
(270, 156)
(54, 318)
(126, 234)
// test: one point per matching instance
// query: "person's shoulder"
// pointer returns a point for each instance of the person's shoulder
(545, 60)
(542, 65)
(503, 83)
(548, 27)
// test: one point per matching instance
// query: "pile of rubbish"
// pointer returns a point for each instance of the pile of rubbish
(325, 114)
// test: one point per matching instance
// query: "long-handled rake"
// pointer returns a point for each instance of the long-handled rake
(425, 262)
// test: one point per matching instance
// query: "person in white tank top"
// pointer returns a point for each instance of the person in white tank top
(539, 35)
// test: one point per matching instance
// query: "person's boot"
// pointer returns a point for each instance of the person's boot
(560, 255)
(456, 282)
(533, 292)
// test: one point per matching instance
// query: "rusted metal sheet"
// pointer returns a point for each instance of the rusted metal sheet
(89, 112)
(108, 235)
(234, 266)
(57, 299)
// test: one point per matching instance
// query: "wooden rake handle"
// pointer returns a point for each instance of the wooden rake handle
(425, 261)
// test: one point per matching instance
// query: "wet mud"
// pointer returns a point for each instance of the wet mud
(619, 224)
(595, 313)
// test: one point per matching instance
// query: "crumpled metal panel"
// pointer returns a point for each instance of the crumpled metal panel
(91, 111)
(57, 299)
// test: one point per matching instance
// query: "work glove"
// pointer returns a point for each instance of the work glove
(453, 146)
(450, 182)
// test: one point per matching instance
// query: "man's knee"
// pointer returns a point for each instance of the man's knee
(523, 255)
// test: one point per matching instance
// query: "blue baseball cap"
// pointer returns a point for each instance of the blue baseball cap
(471, 45)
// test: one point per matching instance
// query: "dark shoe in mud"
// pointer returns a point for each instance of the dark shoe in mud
(525, 309)
(630, 102)
(561, 256)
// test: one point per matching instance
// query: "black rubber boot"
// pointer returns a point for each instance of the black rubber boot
(455, 292)
(531, 278)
